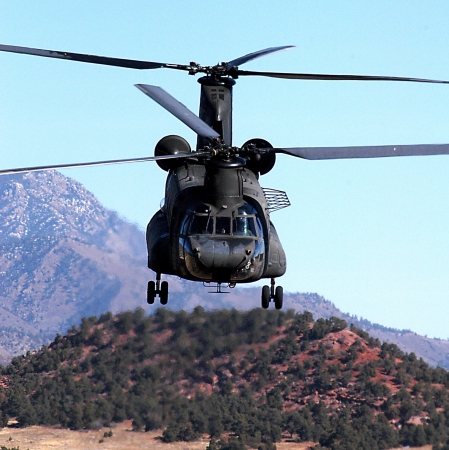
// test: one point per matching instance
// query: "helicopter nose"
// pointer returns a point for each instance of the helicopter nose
(227, 254)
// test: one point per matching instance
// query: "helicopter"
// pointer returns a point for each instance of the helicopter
(214, 225)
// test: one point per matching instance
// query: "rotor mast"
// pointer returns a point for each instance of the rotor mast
(216, 107)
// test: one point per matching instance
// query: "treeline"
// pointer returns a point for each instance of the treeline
(243, 378)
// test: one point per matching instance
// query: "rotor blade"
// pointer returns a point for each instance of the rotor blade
(103, 163)
(250, 56)
(178, 110)
(379, 151)
(93, 59)
(332, 77)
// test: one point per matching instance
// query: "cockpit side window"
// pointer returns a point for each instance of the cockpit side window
(259, 226)
(185, 225)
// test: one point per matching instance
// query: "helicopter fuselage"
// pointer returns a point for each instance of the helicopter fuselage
(214, 226)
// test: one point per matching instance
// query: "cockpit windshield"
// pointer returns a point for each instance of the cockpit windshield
(243, 226)
(244, 222)
(202, 224)
(247, 222)
(223, 225)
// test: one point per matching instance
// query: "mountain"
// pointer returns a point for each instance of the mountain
(63, 256)
(253, 377)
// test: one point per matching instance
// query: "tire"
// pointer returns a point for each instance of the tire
(279, 297)
(265, 297)
(163, 294)
(151, 292)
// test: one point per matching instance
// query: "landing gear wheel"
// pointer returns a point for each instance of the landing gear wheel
(163, 294)
(278, 297)
(151, 292)
(265, 297)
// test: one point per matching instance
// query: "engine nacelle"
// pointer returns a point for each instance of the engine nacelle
(171, 145)
(256, 162)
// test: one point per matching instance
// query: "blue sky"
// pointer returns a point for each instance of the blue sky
(372, 236)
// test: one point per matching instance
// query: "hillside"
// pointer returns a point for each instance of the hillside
(64, 256)
(252, 377)
(433, 351)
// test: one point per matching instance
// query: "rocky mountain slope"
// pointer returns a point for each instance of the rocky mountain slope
(63, 256)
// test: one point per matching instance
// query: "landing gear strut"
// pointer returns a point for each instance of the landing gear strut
(157, 288)
(272, 293)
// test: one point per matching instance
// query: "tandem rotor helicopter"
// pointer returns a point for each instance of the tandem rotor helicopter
(214, 226)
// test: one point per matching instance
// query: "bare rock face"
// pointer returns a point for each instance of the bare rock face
(62, 256)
